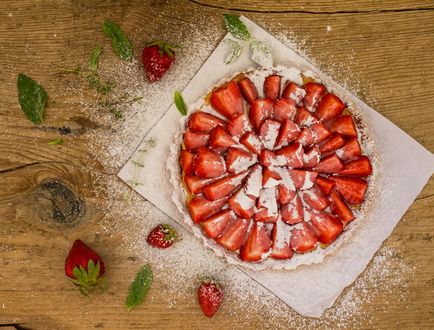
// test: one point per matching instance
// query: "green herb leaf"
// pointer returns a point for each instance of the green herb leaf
(139, 288)
(180, 104)
(261, 54)
(235, 51)
(236, 27)
(94, 58)
(32, 98)
(55, 142)
(120, 43)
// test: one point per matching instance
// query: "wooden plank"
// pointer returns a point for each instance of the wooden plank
(381, 49)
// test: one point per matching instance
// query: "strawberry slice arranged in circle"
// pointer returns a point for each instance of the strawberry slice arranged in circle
(258, 243)
(238, 125)
(248, 89)
(193, 140)
(303, 239)
(201, 208)
(351, 189)
(326, 227)
(280, 237)
(260, 110)
(208, 163)
(330, 107)
(235, 234)
(203, 122)
(284, 109)
(227, 100)
(220, 139)
(215, 225)
(293, 91)
(272, 86)
(223, 187)
(357, 167)
(314, 93)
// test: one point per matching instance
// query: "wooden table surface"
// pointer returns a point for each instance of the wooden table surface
(383, 48)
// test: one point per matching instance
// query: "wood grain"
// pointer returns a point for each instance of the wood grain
(381, 49)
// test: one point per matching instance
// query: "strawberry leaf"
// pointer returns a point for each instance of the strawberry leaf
(139, 288)
(120, 43)
(180, 104)
(94, 58)
(32, 98)
(261, 54)
(236, 27)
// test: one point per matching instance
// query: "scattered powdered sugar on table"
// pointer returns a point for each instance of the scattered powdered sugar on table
(133, 217)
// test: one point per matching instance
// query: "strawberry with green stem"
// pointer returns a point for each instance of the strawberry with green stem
(84, 267)
(162, 236)
(157, 58)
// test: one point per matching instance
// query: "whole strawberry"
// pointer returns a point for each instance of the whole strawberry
(162, 236)
(84, 267)
(157, 58)
(210, 296)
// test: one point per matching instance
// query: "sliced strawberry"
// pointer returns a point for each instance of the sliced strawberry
(208, 163)
(203, 122)
(192, 140)
(235, 235)
(254, 182)
(293, 92)
(314, 92)
(220, 139)
(340, 208)
(270, 178)
(214, 226)
(305, 138)
(281, 236)
(260, 110)
(227, 100)
(343, 125)
(284, 195)
(269, 158)
(201, 208)
(358, 167)
(242, 204)
(330, 164)
(252, 142)
(239, 125)
(267, 206)
(268, 133)
(350, 150)
(224, 186)
(330, 106)
(248, 89)
(303, 179)
(293, 155)
(238, 160)
(324, 184)
(186, 159)
(292, 212)
(335, 142)
(288, 133)
(351, 189)
(320, 133)
(195, 184)
(258, 243)
(326, 227)
(303, 239)
(311, 157)
(304, 117)
(272, 86)
(315, 198)
(284, 109)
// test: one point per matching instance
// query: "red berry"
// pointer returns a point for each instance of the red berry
(210, 296)
(162, 236)
(157, 58)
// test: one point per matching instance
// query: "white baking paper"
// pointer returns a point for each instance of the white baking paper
(405, 168)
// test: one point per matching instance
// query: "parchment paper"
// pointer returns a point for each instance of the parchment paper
(405, 168)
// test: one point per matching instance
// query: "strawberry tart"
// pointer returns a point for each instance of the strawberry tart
(275, 167)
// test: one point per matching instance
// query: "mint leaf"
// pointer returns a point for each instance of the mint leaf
(32, 98)
(55, 142)
(139, 288)
(120, 43)
(235, 51)
(94, 58)
(180, 104)
(261, 54)
(236, 27)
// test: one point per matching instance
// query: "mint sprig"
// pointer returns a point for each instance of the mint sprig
(139, 287)
(120, 42)
(56, 141)
(259, 52)
(32, 98)
(94, 58)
